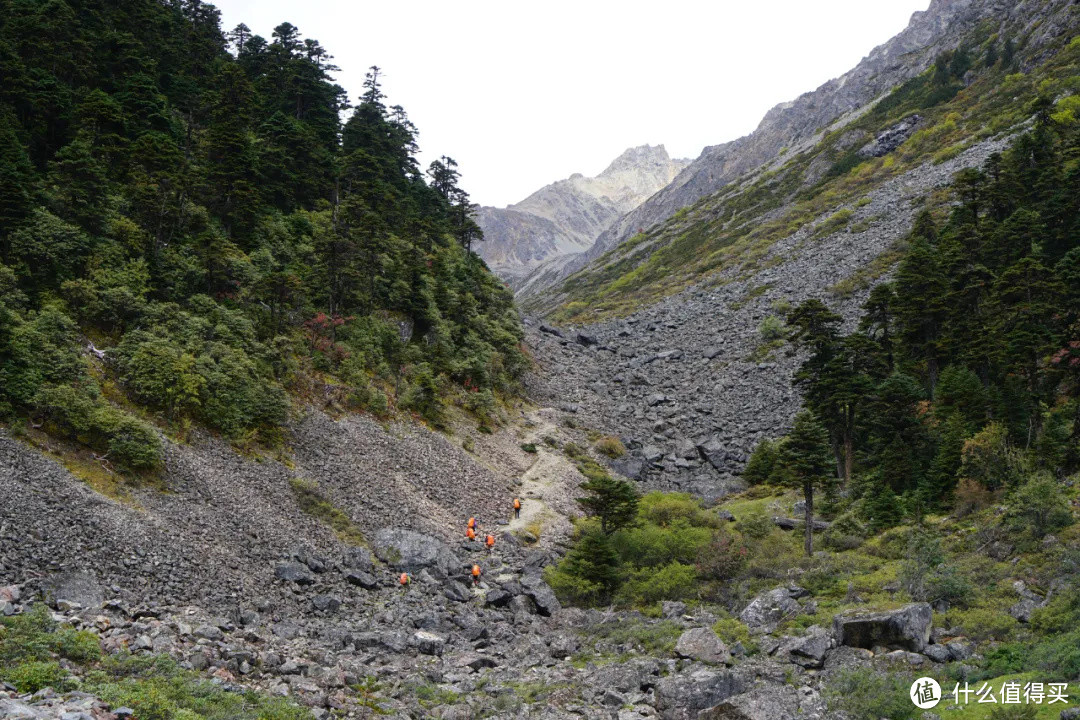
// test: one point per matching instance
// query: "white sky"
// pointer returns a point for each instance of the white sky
(523, 94)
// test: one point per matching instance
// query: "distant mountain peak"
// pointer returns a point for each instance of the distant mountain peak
(567, 216)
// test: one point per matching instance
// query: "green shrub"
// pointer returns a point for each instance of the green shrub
(756, 525)
(610, 446)
(529, 448)
(33, 676)
(674, 581)
(1039, 507)
(866, 694)
(771, 328)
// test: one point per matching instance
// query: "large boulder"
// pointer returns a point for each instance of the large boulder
(683, 696)
(768, 609)
(540, 593)
(412, 551)
(629, 467)
(73, 588)
(702, 644)
(767, 702)
(294, 572)
(907, 628)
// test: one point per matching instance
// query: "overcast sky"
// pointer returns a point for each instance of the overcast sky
(523, 94)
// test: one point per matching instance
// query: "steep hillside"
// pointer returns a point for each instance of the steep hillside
(566, 217)
(798, 142)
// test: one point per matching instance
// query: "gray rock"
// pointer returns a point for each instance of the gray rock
(630, 467)
(683, 696)
(209, 632)
(326, 603)
(907, 628)
(768, 609)
(702, 644)
(81, 588)
(458, 592)
(429, 643)
(937, 653)
(412, 551)
(294, 572)
(768, 702)
(357, 558)
(362, 579)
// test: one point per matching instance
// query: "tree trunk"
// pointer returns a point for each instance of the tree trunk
(849, 457)
(808, 496)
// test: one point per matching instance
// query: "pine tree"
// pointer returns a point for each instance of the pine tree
(613, 501)
(804, 457)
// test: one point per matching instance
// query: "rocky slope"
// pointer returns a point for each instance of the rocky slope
(690, 383)
(798, 125)
(567, 216)
(229, 577)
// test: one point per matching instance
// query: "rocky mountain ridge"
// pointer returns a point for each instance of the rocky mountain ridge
(566, 217)
(798, 125)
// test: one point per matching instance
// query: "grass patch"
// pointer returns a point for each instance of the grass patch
(312, 502)
(36, 652)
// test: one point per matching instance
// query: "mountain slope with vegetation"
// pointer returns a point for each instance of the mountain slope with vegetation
(189, 234)
(990, 67)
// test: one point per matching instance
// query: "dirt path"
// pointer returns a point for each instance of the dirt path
(549, 486)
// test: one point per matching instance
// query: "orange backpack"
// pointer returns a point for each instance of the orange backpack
(517, 504)
(476, 571)
(490, 540)
(471, 534)
(472, 523)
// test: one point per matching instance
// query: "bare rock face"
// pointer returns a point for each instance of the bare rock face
(907, 628)
(702, 644)
(567, 216)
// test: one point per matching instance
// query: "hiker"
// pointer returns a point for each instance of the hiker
(475, 574)
(471, 534)
(472, 523)
(517, 508)
(404, 580)
(489, 541)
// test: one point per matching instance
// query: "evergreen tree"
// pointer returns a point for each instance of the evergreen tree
(613, 501)
(804, 457)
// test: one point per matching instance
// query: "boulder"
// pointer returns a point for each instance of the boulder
(457, 592)
(683, 696)
(629, 467)
(809, 650)
(326, 603)
(78, 588)
(429, 643)
(713, 452)
(586, 339)
(497, 597)
(907, 628)
(769, 702)
(294, 572)
(357, 558)
(702, 644)
(412, 551)
(362, 579)
(540, 593)
(768, 609)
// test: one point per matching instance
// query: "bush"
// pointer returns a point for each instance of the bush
(610, 446)
(756, 525)
(529, 448)
(673, 581)
(771, 328)
(989, 460)
(865, 694)
(762, 465)
(1039, 507)
(723, 558)
(33, 676)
